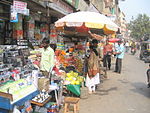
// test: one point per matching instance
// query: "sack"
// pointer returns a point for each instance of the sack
(84, 92)
(43, 83)
(75, 89)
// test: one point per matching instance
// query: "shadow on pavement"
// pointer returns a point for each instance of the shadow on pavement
(123, 81)
(141, 88)
(105, 92)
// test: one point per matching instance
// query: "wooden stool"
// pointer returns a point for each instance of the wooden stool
(71, 100)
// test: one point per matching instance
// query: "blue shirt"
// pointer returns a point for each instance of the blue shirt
(120, 48)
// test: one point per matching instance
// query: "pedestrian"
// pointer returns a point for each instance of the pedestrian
(127, 46)
(47, 58)
(119, 56)
(93, 70)
(107, 52)
(95, 46)
(133, 45)
(138, 45)
(148, 77)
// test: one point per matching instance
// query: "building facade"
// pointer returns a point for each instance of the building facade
(42, 15)
(38, 24)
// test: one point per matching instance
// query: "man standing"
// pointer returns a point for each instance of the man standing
(148, 77)
(107, 51)
(119, 55)
(47, 58)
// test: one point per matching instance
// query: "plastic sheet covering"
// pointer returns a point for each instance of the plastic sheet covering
(75, 89)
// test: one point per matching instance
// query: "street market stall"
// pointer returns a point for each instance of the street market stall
(19, 64)
(84, 22)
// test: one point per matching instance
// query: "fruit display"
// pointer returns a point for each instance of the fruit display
(78, 64)
(73, 78)
(60, 58)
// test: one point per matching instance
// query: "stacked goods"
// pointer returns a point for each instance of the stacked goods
(61, 58)
(79, 64)
(71, 60)
(41, 97)
(52, 107)
(73, 78)
(17, 88)
(43, 83)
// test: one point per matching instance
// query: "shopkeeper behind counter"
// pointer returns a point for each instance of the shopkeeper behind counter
(47, 58)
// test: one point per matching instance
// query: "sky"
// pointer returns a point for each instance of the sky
(134, 7)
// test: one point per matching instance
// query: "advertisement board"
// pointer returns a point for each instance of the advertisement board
(19, 5)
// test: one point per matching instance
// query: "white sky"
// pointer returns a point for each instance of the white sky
(134, 7)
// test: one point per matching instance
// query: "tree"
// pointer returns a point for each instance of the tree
(140, 26)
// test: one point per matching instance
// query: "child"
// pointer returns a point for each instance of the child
(148, 77)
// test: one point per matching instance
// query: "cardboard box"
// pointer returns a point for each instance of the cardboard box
(43, 83)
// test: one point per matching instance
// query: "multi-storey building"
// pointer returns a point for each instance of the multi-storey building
(123, 25)
(43, 13)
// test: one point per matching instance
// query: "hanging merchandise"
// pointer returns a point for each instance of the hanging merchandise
(37, 32)
(18, 30)
(53, 34)
(31, 26)
(44, 30)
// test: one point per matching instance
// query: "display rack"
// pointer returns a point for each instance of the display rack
(40, 104)
(5, 101)
(10, 96)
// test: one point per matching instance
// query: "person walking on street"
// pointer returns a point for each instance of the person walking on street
(107, 51)
(127, 46)
(148, 77)
(47, 58)
(119, 55)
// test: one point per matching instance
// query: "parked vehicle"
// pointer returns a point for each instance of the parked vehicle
(145, 51)
(133, 51)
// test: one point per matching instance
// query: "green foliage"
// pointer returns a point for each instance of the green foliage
(139, 26)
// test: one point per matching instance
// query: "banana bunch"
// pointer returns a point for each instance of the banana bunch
(73, 78)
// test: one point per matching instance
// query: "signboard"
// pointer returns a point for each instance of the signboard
(20, 5)
(13, 17)
(61, 7)
(25, 11)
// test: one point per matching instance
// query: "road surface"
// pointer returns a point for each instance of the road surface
(121, 93)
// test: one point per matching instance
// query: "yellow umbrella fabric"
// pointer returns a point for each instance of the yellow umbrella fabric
(88, 19)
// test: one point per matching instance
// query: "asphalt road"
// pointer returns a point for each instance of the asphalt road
(121, 93)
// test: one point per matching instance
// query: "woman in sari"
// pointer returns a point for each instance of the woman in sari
(93, 70)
